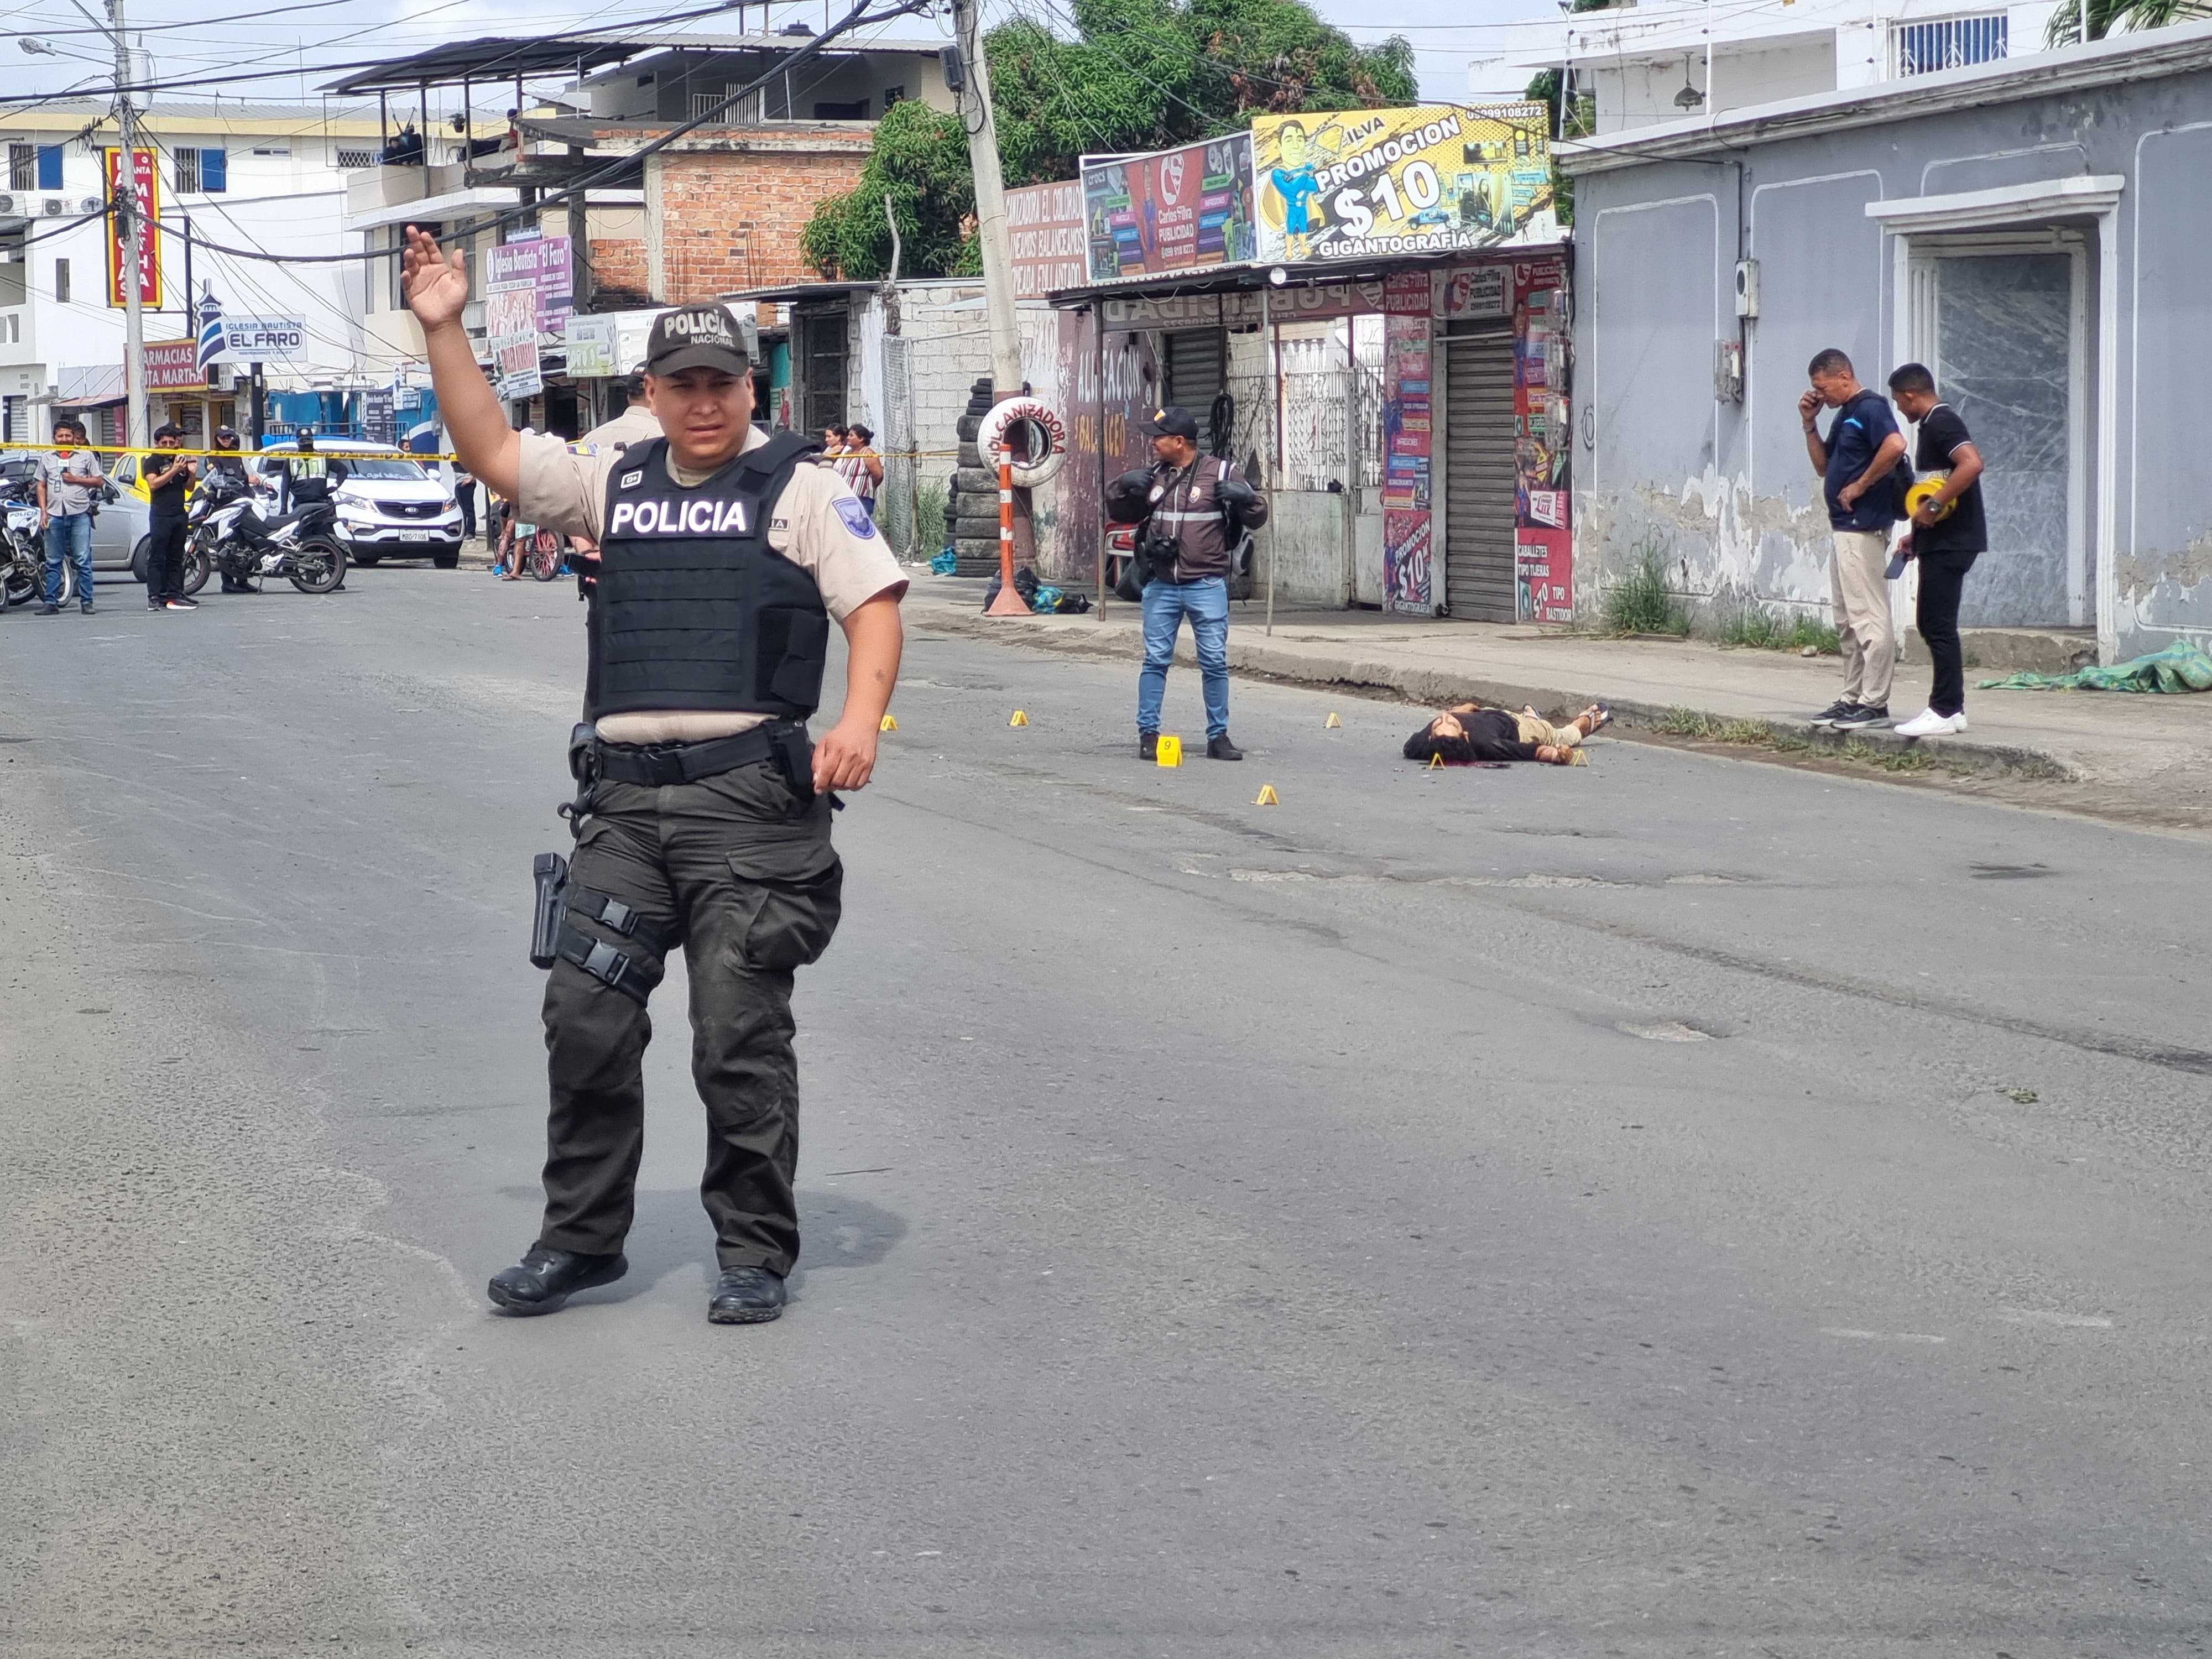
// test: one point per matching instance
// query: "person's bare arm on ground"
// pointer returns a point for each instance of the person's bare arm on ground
(846, 756)
(437, 288)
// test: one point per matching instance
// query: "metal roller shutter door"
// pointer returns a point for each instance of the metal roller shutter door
(1195, 372)
(1479, 476)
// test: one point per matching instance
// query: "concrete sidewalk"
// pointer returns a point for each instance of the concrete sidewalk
(2146, 758)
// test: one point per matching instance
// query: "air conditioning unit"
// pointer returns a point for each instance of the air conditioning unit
(53, 207)
(11, 207)
(89, 204)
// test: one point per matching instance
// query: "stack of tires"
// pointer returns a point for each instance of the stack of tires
(972, 503)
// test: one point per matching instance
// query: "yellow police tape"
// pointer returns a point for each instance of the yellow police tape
(348, 453)
(395, 452)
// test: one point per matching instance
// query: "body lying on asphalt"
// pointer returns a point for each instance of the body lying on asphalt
(1467, 733)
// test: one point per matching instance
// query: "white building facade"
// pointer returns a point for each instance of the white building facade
(267, 180)
(1637, 64)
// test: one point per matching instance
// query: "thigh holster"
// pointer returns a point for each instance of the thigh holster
(632, 968)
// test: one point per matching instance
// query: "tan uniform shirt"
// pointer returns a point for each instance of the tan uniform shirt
(816, 523)
(634, 425)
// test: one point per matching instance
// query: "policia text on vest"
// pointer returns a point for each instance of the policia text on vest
(703, 806)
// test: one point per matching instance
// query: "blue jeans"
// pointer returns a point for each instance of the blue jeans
(1206, 602)
(68, 537)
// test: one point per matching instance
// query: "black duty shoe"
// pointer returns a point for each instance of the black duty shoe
(1834, 712)
(1221, 748)
(746, 1296)
(1148, 745)
(86, 607)
(546, 1278)
(50, 611)
(1866, 714)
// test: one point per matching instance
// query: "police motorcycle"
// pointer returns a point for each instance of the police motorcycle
(22, 548)
(226, 526)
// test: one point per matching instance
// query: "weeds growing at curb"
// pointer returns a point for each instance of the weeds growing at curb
(1685, 722)
(1759, 628)
(929, 531)
(1640, 601)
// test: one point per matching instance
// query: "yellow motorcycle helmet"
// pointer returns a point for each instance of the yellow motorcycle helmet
(1924, 492)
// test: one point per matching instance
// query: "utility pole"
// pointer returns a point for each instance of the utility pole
(134, 246)
(990, 202)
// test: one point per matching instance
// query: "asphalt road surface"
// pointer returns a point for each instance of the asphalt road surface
(1679, 1207)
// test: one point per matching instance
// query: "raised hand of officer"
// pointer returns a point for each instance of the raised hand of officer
(436, 285)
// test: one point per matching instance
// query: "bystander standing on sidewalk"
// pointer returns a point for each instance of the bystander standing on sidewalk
(860, 467)
(1862, 449)
(1948, 530)
(465, 497)
(167, 476)
(68, 477)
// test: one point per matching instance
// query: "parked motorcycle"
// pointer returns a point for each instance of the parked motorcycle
(227, 531)
(23, 556)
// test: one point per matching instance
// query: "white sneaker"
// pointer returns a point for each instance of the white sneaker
(1929, 724)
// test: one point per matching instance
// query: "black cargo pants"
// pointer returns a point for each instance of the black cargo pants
(745, 870)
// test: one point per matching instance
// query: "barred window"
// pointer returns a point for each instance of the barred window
(23, 167)
(202, 172)
(351, 159)
(1949, 43)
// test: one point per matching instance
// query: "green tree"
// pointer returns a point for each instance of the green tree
(1129, 74)
(2105, 15)
(1578, 119)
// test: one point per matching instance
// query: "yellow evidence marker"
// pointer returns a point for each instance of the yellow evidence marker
(1332, 723)
(1019, 719)
(1267, 796)
(1170, 752)
(1436, 763)
(890, 724)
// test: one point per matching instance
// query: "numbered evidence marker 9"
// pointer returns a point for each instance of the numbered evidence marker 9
(1169, 752)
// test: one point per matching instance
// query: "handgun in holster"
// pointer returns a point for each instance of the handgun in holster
(551, 872)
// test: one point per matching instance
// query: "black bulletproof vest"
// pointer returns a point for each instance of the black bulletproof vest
(695, 610)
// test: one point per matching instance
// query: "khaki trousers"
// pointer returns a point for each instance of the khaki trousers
(1536, 729)
(1860, 593)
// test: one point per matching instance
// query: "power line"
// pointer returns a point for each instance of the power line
(562, 37)
(855, 18)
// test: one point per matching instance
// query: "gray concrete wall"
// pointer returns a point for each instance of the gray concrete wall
(1723, 490)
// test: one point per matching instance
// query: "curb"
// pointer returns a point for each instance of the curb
(1434, 689)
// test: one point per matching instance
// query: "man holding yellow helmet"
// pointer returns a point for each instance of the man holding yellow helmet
(1949, 529)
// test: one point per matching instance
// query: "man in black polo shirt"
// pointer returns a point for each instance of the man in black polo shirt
(168, 475)
(1949, 529)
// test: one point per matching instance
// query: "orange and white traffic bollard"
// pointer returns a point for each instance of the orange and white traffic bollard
(1009, 602)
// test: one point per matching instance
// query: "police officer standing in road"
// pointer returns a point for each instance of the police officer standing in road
(702, 812)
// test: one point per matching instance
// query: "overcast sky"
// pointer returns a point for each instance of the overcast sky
(289, 37)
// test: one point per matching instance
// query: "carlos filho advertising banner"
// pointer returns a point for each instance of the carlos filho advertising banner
(1355, 184)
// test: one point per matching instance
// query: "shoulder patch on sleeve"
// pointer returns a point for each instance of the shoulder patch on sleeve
(583, 449)
(855, 515)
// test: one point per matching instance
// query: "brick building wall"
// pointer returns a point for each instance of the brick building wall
(618, 265)
(725, 215)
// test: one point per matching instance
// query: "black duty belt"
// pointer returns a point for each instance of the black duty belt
(658, 764)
